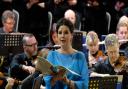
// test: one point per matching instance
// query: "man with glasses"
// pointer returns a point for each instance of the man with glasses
(22, 64)
(8, 21)
(114, 64)
(112, 49)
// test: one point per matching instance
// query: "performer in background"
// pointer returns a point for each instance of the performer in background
(4, 5)
(73, 17)
(8, 21)
(52, 44)
(22, 65)
(122, 32)
(68, 57)
(94, 53)
(114, 63)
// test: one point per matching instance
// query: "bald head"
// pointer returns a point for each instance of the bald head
(70, 15)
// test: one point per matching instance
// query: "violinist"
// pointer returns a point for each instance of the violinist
(122, 32)
(22, 64)
(94, 54)
(111, 65)
(53, 40)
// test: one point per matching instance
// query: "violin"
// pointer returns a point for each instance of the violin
(94, 58)
(99, 55)
(2, 78)
(121, 65)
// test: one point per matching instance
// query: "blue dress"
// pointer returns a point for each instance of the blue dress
(75, 62)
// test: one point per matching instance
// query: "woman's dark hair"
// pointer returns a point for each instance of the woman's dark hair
(65, 22)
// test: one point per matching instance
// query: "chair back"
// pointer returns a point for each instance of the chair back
(108, 17)
(50, 20)
(16, 19)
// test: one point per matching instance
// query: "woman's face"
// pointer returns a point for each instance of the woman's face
(122, 33)
(93, 47)
(64, 35)
(70, 15)
(9, 25)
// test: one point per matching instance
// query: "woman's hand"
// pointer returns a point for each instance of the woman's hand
(59, 76)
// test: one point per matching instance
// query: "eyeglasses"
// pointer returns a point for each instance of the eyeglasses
(113, 52)
(10, 22)
(31, 45)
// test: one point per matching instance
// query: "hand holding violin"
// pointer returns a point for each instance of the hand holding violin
(121, 65)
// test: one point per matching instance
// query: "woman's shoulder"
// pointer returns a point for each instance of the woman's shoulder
(75, 52)
(53, 52)
(79, 52)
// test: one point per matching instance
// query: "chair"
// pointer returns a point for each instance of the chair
(50, 20)
(79, 26)
(108, 17)
(102, 46)
(50, 17)
(16, 19)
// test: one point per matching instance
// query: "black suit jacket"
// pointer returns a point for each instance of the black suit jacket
(16, 70)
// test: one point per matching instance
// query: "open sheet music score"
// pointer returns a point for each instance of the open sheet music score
(47, 68)
(11, 43)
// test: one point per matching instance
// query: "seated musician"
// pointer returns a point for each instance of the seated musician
(53, 40)
(122, 32)
(22, 64)
(94, 54)
(8, 21)
(114, 63)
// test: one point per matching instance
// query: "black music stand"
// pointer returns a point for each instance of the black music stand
(109, 82)
(77, 40)
(11, 43)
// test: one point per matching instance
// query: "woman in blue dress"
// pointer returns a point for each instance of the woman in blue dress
(68, 57)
